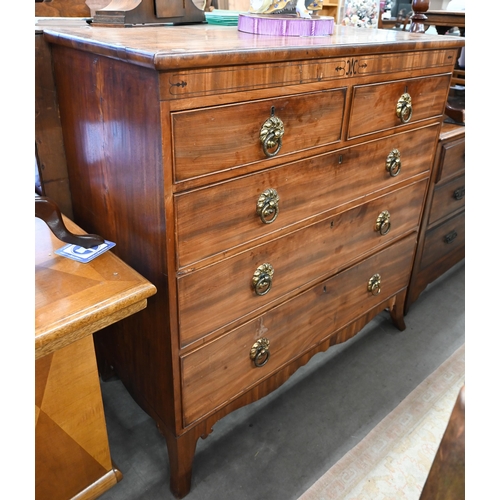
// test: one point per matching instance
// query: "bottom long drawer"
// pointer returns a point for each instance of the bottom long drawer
(220, 371)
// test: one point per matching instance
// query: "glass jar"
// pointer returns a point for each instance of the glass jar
(360, 13)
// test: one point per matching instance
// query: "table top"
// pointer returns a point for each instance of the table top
(43, 23)
(446, 18)
(72, 299)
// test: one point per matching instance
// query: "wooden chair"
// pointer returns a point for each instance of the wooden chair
(49, 212)
(39, 186)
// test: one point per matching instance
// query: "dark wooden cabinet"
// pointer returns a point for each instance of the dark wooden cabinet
(271, 188)
(441, 242)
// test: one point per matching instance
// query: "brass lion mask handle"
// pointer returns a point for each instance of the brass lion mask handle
(393, 163)
(374, 284)
(268, 206)
(383, 224)
(263, 279)
(260, 353)
(271, 135)
(404, 108)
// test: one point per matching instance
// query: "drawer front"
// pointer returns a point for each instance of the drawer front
(447, 199)
(305, 189)
(220, 371)
(217, 138)
(380, 102)
(226, 79)
(220, 294)
(444, 240)
(452, 159)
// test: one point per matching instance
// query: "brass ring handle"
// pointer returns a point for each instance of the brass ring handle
(393, 162)
(263, 279)
(267, 206)
(383, 224)
(374, 284)
(271, 135)
(404, 108)
(259, 352)
(272, 141)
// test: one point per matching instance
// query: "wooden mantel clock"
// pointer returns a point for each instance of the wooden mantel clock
(148, 12)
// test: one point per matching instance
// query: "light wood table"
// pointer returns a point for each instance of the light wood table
(72, 301)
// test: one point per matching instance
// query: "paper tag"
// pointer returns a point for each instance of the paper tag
(84, 255)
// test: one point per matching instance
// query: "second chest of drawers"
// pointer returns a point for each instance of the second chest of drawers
(442, 236)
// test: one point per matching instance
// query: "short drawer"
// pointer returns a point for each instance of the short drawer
(428, 96)
(218, 138)
(452, 159)
(444, 240)
(220, 371)
(217, 295)
(214, 219)
(448, 198)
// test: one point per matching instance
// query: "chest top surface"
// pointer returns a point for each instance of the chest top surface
(175, 47)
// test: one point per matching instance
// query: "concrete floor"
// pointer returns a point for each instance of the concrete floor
(276, 448)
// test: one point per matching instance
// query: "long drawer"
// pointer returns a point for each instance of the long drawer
(443, 241)
(231, 134)
(427, 101)
(218, 372)
(304, 188)
(220, 294)
(448, 198)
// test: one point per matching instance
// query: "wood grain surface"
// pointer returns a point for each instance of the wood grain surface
(197, 46)
(441, 242)
(73, 300)
(161, 127)
(306, 188)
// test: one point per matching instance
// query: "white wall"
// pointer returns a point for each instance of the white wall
(438, 4)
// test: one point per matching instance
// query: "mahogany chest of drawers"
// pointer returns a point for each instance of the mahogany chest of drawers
(441, 243)
(271, 188)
